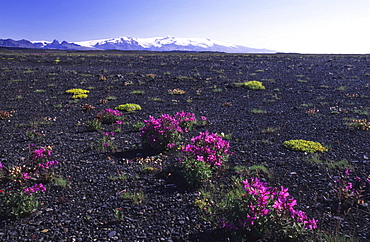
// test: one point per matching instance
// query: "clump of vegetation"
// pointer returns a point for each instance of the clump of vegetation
(21, 184)
(138, 92)
(304, 146)
(254, 210)
(87, 107)
(253, 85)
(166, 132)
(176, 91)
(78, 93)
(93, 125)
(207, 152)
(4, 115)
(110, 116)
(128, 107)
(79, 96)
(361, 124)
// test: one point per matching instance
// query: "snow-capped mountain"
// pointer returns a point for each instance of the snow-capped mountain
(168, 43)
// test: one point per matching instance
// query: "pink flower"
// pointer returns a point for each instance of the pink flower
(35, 188)
(349, 186)
(284, 192)
(25, 176)
(118, 122)
(171, 145)
(347, 172)
(38, 154)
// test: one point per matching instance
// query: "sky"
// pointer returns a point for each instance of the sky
(304, 26)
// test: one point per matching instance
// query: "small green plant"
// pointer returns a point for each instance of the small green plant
(59, 180)
(76, 91)
(34, 135)
(157, 99)
(79, 96)
(137, 197)
(258, 111)
(176, 91)
(138, 125)
(105, 143)
(304, 146)
(118, 214)
(150, 169)
(205, 203)
(138, 92)
(39, 90)
(129, 107)
(361, 124)
(269, 130)
(93, 125)
(111, 98)
(121, 176)
(341, 88)
(258, 171)
(254, 85)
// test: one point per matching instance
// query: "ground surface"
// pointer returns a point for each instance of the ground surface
(306, 97)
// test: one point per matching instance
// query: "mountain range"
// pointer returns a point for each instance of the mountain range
(168, 43)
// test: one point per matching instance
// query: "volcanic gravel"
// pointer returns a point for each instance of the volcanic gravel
(307, 97)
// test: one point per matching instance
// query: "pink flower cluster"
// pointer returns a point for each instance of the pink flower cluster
(186, 120)
(40, 153)
(109, 111)
(35, 188)
(48, 164)
(210, 148)
(263, 201)
(165, 131)
(110, 116)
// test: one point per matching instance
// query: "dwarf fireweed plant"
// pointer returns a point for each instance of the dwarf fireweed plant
(209, 148)
(266, 212)
(110, 116)
(206, 153)
(166, 131)
(348, 190)
(105, 143)
(21, 184)
(161, 133)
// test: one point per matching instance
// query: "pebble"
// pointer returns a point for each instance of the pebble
(112, 233)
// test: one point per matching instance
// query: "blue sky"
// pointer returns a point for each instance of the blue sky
(305, 26)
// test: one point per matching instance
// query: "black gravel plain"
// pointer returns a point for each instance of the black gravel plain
(307, 97)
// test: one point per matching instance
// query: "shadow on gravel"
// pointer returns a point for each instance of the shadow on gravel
(135, 153)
